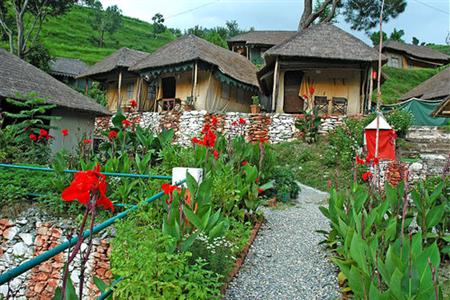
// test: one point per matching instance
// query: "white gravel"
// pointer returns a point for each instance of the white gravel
(285, 261)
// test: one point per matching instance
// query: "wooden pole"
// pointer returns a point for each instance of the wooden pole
(194, 88)
(377, 141)
(86, 86)
(119, 90)
(276, 76)
(138, 96)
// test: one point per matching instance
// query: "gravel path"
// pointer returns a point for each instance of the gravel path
(285, 261)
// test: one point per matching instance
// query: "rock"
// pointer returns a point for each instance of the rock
(416, 166)
(27, 238)
(22, 221)
(20, 249)
(10, 233)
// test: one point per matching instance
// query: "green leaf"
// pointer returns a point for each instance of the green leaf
(192, 217)
(100, 284)
(395, 285)
(217, 230)
(324, 211)
(435, 215)
(358, 251)
(186, 245)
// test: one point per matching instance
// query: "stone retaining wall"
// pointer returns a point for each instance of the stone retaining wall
(274, 128)
(33, 233)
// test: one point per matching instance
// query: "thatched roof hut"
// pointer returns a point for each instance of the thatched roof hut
(67, 67)
(416, 54)
(19, 78)
(262, 37)
(190, 48)
(121, 59)
(437, 87)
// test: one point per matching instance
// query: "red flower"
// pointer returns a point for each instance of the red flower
(43, 133)
(33, 137)
(206, 128)
(366, 176)
(262, 140)
(48, 137)
(234, 123)
(374, 75)
(112, 135)
(242, 121)
(195, 140)
(368, 159)
(216, 154)
(359, 161)
(65, 132)
(311, 90)
(126, 123)
(244, 163)
(87, 184)
(376, 161)
(168, 188)
(214, 120)
(257, 180)
(133, 103)
(209, 140)
(87, 142)
(260, 191)
(305, 96)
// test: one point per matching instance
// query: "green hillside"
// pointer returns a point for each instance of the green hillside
(71, 35)
(441, 48)
(400, 81)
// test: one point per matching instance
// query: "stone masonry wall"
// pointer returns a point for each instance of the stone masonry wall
(274, 128)
(32, 233)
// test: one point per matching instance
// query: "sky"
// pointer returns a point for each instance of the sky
(428, 20)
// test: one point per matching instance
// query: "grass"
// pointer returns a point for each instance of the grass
(307, 162)
(441, 48)
(400, 81)
(71, 35)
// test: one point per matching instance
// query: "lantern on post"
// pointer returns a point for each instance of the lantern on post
(386, 139)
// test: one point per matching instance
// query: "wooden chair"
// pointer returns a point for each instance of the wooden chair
(340, 105)
(321, 102)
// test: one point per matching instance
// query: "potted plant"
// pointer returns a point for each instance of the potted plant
(255, 108)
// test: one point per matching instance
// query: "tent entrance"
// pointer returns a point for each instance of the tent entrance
(169, 87)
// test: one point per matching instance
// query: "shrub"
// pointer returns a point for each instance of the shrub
(400, 120)
(285, 184)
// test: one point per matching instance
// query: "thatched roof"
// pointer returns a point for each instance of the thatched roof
(191, 48)
(436, 87)
(263, 37)
(122, 58)
(416, 50)
(443, 110)
(69, 67)
(19, 78)
(324, 41)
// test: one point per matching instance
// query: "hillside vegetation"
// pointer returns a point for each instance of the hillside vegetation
(400, 81)
(71, 35)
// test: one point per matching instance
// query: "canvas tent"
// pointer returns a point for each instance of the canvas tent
(421, 110)
(386, 141)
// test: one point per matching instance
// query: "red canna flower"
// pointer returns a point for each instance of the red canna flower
(257, 180)
(209, 140)
(262, 140)
(311, 90)
(42, 133)
(216, 154)
(87, 184)
(359, 161)
(168, 188)
(87, 142)
(366, 176)
(376, 161)
(242, 121)
(206, 128)
(368, 159)
(126, 123)
(33, 137)
(305, 96)
(260, 191)
(65, 132)
(133, 103)
(244, 163)
(234, 123)
(195, 140)
(112, 135)
(214, 120)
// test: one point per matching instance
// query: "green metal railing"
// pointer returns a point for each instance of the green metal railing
(42, 169)
(22, 268)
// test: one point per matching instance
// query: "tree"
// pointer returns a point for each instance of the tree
(21, 21)
(361, 14)
(397, 35)
(233, 28)
(105, 21)
(375, 37)
(415, 41)
(158, 24)
(39, 56)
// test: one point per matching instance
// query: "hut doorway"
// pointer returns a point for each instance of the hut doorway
(293, 103)
(169, 87)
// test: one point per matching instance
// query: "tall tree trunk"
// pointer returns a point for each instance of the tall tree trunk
(308, 16)
(307, 11)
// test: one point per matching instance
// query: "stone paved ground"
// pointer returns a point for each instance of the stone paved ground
(285, 261)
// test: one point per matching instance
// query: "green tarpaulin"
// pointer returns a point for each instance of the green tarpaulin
(421, 111)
